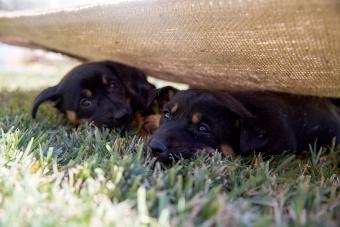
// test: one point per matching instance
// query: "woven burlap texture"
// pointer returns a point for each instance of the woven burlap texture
(283, 45)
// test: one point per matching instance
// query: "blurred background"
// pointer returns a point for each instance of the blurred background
(27, 69)
(46, 4)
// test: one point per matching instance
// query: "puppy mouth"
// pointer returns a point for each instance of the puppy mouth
(121, 126)
(189, 152)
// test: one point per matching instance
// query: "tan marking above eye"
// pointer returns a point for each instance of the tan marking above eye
(237, 124)
(196, 117)
(174, 108)
(227, 151)
(104, 80)
(87, 93)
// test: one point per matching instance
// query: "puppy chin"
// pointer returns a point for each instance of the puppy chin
(184, 153)
(176, 154)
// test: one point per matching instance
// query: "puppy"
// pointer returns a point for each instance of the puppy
(109, 94)
(243, 123)
(157, 99)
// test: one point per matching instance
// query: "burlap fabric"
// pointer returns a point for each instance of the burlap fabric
(284, 45)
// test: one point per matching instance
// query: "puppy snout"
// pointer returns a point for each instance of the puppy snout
(157, 147)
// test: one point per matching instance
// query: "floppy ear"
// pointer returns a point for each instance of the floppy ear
(235, 107)
(252, 135)
(161, 95)
(49, 94)
(135, 82)
(139, 89)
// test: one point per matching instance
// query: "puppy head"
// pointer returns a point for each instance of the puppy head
(197, 120)
(105, 93)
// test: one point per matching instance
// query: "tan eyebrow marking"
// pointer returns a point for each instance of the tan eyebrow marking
(104, 80)
(237, 124)
(174, 108)
(196, 117)
(87, 93)
(227, 151)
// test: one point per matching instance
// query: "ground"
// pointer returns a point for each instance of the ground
(52, 174)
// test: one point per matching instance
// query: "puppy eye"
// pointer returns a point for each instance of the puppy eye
(166, 115)
(85, 103)
(203, 128)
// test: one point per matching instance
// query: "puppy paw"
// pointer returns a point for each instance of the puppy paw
(150, 125)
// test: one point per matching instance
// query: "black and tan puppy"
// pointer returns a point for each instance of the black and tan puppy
(109, 94)
(243, 123)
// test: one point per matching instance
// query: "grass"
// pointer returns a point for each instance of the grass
(54, 175)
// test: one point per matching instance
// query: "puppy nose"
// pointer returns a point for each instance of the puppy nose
(157, 147)
(120, 115)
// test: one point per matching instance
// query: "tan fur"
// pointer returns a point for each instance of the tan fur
(237, 124)
(87, 93)
(174, 108)
(227, 151)
(150, 124)
(138, 120)
(196, 117)
(104, 80)
(72, 117)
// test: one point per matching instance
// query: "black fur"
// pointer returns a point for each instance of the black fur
(118, 93)
(247, 122)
